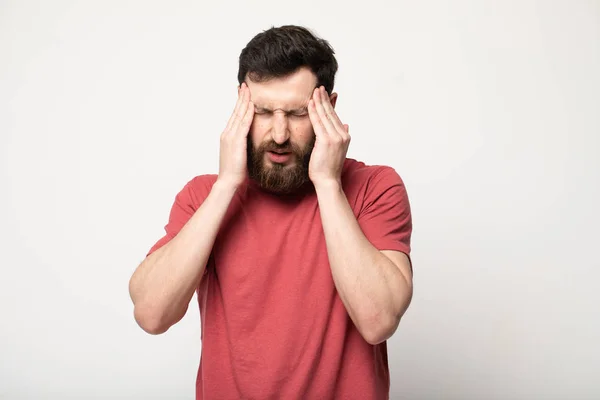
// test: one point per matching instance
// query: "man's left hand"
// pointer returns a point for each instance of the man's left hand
(331, 144)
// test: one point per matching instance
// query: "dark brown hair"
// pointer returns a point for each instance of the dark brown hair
(278, 52)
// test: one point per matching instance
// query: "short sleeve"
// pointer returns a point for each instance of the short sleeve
(385, 217)
(187, 201)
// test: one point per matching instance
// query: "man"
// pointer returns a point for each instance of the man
(298, 254)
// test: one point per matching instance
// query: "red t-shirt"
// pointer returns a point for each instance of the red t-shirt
(273, 325)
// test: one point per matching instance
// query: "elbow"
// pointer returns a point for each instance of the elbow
(381, 326)
(151, 317)
(153, 328)
(151, 320)
(378, 330)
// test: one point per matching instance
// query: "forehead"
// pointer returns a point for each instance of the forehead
(291, 91)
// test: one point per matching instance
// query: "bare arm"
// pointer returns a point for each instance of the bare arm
(375, 286)
(163, 284)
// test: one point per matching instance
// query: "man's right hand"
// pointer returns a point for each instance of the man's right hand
(164, 283)
(233, 168)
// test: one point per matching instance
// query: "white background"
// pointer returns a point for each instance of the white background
(489, 110)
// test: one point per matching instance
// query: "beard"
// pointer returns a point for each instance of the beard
(279, 178)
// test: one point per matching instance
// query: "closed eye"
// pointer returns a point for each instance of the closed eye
(303, 112)
(299, 113)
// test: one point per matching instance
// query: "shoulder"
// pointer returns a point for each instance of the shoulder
(367, 186)
(357, 175)
(198, 188)
(202, 182)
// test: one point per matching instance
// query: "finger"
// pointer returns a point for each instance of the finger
(241, 111)
(315, 120)
(341, 128)
(330, 111)
(240, 100)
(247, 120)
(236, 109)
(329, 128)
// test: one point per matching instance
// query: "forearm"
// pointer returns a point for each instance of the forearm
(372, 288)
(163, 285)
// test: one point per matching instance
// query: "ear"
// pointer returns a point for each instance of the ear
(333, 98)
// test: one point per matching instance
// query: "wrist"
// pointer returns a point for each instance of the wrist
(328, 185)
(225, 186)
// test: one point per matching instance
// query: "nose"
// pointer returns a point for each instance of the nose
(280, 130)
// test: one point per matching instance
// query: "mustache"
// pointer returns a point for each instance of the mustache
(286, 147)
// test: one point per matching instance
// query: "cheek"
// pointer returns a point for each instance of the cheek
(302, 132)
(257, 132)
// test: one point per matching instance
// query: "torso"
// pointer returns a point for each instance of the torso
(273, 325)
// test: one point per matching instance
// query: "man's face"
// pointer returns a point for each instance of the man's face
(281, 136)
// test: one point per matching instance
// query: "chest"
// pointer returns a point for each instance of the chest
(272, 247)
